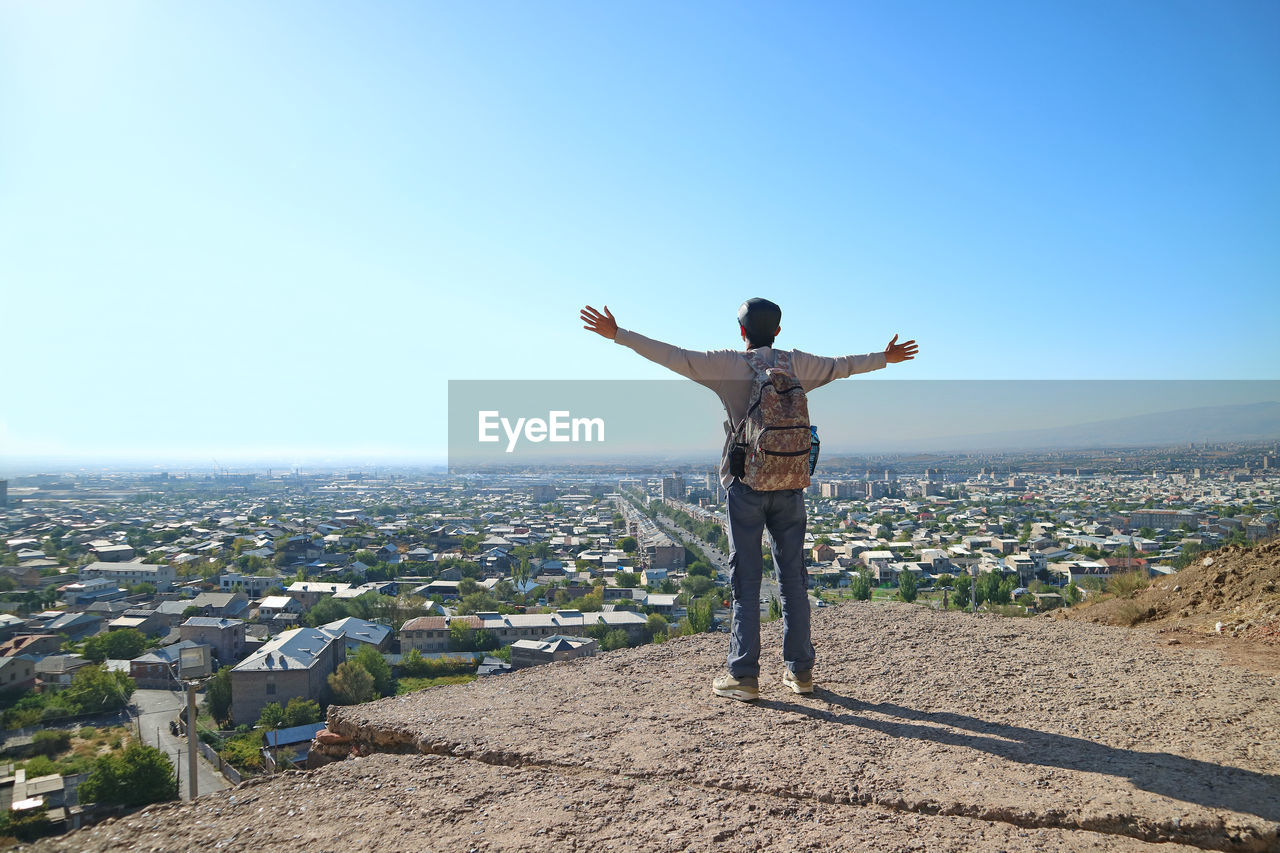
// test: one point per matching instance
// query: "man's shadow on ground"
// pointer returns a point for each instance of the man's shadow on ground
(1175, 776)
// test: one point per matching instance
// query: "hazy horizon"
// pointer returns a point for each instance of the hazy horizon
(1250, 421)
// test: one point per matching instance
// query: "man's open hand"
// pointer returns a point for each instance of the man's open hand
(602, 324)
(894, 352)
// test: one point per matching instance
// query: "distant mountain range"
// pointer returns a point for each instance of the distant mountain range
(1215, 424)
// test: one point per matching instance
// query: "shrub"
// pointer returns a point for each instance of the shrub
(87, 733)
(242, 751)
(213, 739)
(50, 741)
(40, 765)
(414, 665)
(1125, 585)
(141, 775)
(1128, 613)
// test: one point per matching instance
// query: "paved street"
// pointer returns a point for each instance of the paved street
(155, 709)
(720, 562)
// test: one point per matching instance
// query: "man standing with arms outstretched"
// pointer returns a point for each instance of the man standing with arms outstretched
(732, 374)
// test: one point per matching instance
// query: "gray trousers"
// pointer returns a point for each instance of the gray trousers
(783, 514)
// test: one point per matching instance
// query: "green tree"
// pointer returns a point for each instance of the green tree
(522, 571)
(477, 602)
(462, 637)
(272, 716)
(907, 587)
(143, 588)
(700, 567)
(628, 544)
(989, 587)
(217, 695)
(372, 661)
(697, 585)
(302, 712)
(627, 580)
(860, 587)
(615, 639)
(1004, 592)
(486, 641)
(95, 688)
(775, 609)
(1071, 593)
(351, 684)
(946, 581)
(140, 775)
(656, 624)
(124, 644)
(328, 610)
(960, 595)
(699, 616)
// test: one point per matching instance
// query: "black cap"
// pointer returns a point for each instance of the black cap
(760, 318)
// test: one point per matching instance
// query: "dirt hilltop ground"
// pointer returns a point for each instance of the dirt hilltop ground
(928, 731)
(1232, 591)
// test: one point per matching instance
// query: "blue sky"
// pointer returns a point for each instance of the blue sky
(277, 230)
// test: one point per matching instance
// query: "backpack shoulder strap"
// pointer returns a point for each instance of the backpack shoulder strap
(782, 360)
(757, 362)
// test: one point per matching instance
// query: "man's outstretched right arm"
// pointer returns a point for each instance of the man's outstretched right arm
(705, 368)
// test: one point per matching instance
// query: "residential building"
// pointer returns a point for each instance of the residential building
(113, 553)
(58, 669)
(150, 622)
(225, 605)
(253, 585)
(309, 593)
(1163, 518)
(431, 633)
(274, 605)
(158, 668)
(35, 645)
(132, 573)
(17, 672)
(76, 626)
(525, 653)
(225, 636)
(359, 632)
(296, 663)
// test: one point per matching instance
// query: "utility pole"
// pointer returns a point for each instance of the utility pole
(192, 739)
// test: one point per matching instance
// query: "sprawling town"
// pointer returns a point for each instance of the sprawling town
(131, 602)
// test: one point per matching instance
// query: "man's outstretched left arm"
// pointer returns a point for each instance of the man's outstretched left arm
(814, 371)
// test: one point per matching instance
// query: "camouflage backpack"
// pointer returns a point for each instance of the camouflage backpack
(773, 440)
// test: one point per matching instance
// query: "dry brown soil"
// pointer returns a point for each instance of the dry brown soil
(1232, 591)
(928, 731)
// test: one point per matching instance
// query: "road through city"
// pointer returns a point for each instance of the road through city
(155, 709)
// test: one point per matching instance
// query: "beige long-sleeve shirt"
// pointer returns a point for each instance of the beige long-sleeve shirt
(727, 373)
